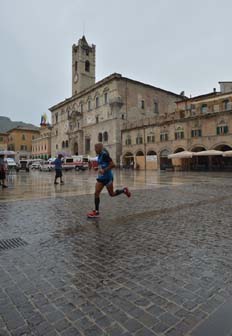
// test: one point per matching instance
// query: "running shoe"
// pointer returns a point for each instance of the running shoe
(93, 214)
(127, 192)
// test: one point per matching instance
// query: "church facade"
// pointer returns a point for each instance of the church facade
(99, 111)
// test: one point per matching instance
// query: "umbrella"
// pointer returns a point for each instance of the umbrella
(7, 152)
(228, 153)
(181, 155)
(211, 152)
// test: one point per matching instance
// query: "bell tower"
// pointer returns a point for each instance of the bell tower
(83, 66)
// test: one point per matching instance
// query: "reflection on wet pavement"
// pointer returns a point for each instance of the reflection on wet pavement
(158, 263)
(37, 184)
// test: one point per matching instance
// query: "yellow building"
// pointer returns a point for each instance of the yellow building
(3, 141)
(41, 146)
(20, 141)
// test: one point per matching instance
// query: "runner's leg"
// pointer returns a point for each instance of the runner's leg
(98, 188)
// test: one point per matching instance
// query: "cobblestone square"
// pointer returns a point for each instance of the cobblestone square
(158, 263)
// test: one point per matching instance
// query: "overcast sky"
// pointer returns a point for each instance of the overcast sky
(172, 44)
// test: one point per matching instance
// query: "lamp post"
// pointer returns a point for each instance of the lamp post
(145, 149)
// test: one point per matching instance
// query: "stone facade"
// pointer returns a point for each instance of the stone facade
(96, 112)
(200, 123)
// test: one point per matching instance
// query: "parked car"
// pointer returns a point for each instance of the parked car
(36, 164)
(46, 166)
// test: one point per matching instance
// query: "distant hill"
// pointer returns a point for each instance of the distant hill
(6, 124)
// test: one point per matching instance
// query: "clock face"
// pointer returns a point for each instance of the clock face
(76, 78)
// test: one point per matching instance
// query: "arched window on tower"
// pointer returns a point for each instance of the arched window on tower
(87, 66)
(76, 66)
(100, 137)
(105, 136)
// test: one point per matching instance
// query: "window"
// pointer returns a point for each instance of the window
(97, 120)
(105, 136)
(87, 52)
(56, 118)
(164, 136)
(89, 105)
(45, 147)
(226, 105)
(56, 146)
(63, 144)
(87, 66)
(196, 133)
(179, 134)
(156, 107)
(33, 137)
(139, 140)
(56, 132)
(97, 102)
(204, 108)
(150, 139)
(221, 130)
(87, 145)
(76, 66)
(66, 143)
(100, 137)
(142, 104)
(23, 147)
(128, 140)
(23, 137)
(122, 116)
(106, 98)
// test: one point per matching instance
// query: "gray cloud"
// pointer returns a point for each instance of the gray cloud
(174, 44)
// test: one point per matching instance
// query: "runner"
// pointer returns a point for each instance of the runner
(105, 179)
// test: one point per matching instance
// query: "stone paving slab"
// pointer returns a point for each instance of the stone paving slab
(156, 264)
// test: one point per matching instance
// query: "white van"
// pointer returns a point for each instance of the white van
(11, 164)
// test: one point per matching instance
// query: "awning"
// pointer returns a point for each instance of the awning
(211, 152)
(181, 155)
(228, 153)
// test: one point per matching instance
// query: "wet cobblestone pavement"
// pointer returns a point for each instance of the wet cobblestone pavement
(156, 264)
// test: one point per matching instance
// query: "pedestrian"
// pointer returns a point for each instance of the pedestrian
(58, 169)
(104, 179)
(2, 172)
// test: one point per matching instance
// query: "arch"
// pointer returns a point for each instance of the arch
(87, 66)
(165, 162)
(100, 137)
(179, 149)
(165, 152)
(105, 136)
(66, 143)
(222, 147)
(63, 144)
(75, 148)
(128, 160)
(198, 148)
(151, 152)
(139, 153)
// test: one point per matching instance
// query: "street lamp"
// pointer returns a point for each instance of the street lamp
(145, 148)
